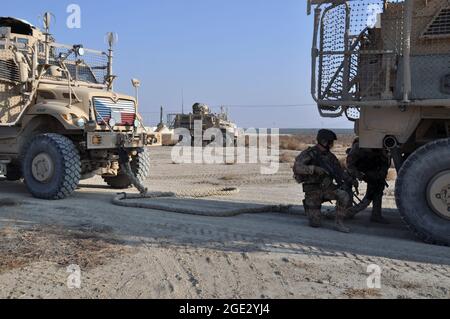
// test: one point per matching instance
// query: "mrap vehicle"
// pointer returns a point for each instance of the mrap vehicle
(60, 119)
(386, 66)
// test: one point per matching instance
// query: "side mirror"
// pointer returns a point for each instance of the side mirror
(136, 83)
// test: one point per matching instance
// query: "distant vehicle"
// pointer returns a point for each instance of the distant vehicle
(385, 64)
(60, 119)
(201, 112)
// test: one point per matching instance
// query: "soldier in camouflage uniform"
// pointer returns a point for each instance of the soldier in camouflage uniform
(318, 169)
(371, 166)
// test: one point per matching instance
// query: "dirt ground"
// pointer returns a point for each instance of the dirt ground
(138, 253)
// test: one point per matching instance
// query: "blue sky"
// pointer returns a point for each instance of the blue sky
(220, 52)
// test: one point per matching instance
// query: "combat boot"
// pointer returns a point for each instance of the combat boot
(377, 215)
(315, 218)
(340, 225)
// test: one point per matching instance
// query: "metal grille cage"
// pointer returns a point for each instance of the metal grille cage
(371, 52)
(11, 98)
(91, 67)
(356, 58)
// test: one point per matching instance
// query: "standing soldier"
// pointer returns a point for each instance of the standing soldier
(322, 177)
(371, 166)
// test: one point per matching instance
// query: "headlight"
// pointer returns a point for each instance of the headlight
(112, 122)
(81, 123)
(137, 124)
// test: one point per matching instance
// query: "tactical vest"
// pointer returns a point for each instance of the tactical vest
(312, 182)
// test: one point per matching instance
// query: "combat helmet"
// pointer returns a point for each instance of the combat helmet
(326, 137)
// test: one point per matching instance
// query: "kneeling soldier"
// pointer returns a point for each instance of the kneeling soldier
(323, 177)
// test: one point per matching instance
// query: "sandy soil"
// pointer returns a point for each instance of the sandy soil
(136, 253)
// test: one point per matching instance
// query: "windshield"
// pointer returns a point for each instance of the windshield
(91, 67)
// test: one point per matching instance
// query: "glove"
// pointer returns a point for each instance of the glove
(320, 171)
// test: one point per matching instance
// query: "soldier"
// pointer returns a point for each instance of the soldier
(371, 166)
(322, 177)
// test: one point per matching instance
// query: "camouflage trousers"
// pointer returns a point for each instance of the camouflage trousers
(315, 199)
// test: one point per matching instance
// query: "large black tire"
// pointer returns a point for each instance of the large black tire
(141, 169)
(412, 198)
(66, 166)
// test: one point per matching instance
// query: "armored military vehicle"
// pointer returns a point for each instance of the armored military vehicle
(60, 119)
(201, 112)
(386, 66)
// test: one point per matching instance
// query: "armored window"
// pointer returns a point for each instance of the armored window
(22, 41)
(17, 26)
(439, 26)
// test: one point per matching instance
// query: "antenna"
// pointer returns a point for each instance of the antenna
(182, 101)
(47, 20)
(112, 38)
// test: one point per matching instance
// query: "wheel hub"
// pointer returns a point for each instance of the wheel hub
(439, 194)
(42, 168)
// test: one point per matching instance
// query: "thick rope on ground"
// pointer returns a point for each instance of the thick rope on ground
(148, 201)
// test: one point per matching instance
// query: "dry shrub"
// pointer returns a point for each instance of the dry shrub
(299, 142)
(292, 143)
(362, 293)
(85, 245)
(229, 178)
(287, 158)
(346, 140)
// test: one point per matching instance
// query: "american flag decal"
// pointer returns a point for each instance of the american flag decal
(123, 111)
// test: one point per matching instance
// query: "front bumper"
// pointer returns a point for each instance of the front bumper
(109, 140)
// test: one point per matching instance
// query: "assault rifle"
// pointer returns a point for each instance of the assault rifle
(343, 180)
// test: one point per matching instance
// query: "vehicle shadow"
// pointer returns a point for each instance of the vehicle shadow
(269, 232)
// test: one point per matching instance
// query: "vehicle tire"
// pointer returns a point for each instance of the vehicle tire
(13, 173)
(421, 192)
(51, 167)
(141, 168)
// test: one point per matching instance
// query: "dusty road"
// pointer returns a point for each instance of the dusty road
(136, 253)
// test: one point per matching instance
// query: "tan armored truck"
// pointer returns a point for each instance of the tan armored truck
(202, 113)
(386, 66)
(60, 119)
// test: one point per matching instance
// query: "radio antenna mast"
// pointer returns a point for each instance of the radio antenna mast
(182, 101)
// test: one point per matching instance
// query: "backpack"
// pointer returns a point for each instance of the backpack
(297, 176)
